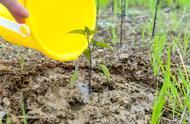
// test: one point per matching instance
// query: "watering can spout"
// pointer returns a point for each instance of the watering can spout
(21, 29)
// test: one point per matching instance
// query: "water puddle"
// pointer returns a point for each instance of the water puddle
(84, 89)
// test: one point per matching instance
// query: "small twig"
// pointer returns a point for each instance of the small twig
(183, 64)
(155, 18)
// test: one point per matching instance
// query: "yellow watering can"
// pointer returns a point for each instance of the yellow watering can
(48, 26)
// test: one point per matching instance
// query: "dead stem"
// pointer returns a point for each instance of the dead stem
(183, 64)
(183, 114)
(123, 7)
(155, 18)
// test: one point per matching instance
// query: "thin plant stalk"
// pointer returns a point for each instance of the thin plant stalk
(183, 114)
(90, 68)
(112, 7)
(123, 6)
(155, 18)
(98, 7)
(24, 113)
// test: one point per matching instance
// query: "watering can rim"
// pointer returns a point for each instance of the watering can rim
(48, 52)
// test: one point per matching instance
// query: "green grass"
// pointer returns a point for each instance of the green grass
(25, 119)
(175, 87)
(8, 120)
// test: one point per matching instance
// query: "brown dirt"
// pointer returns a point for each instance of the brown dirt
(43, 87)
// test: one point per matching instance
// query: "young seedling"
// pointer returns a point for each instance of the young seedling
(23, 109)
(92, 44)
(185, 45)
(21, 59)
(105, 71)
(116, 7)
(75, 75)
(101, 4)
(114, 35)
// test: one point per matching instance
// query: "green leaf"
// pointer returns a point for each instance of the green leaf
(105, 71)
(101, 44)
(114, 35)
(104, 3)
(159, 104)
(88, 31)
(87, 54)
(25, 119)
(74, 77)
(82, 32)
(8, 119)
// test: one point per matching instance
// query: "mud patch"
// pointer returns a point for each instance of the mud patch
(48, 98)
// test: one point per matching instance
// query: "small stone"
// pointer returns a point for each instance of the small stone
(6, 102)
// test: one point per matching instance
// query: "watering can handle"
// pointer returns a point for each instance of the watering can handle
(21, 29)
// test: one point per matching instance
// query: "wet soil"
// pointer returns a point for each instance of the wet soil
(49, 99)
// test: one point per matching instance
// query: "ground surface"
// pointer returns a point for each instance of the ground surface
(42, 85)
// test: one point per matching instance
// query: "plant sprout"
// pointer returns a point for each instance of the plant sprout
(92, 44)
